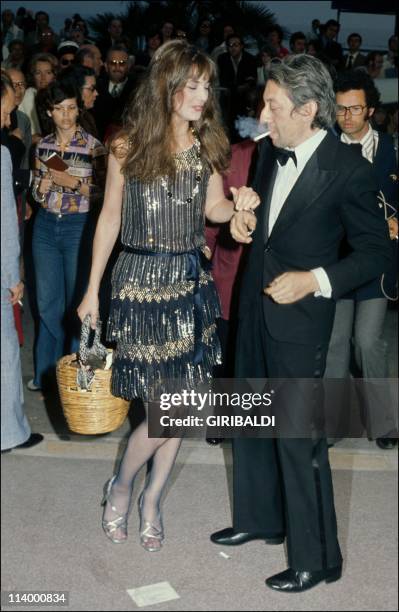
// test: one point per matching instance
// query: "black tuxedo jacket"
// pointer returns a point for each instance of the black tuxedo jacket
(334, 196)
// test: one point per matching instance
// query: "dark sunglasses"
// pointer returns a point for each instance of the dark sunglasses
(118, 62)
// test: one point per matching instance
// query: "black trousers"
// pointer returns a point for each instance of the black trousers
(284, 485)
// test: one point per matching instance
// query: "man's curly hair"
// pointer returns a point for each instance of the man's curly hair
(358, 79)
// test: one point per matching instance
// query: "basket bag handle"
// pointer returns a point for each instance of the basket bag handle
(89, 357)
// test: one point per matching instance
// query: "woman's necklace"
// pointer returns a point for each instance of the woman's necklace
(63, 145)
(184, 161)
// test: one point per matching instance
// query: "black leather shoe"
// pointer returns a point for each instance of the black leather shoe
(291, 581)
(387, 443)
(214, 441)
(228, 537)
(34, 439)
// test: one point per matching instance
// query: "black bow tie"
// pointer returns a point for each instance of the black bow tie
(282, 156)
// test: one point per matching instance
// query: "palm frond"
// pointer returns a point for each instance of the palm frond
(248, 18)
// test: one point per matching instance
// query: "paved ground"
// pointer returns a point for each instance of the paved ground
(52, 538)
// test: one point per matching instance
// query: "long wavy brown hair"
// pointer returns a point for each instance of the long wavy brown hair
(146, 142)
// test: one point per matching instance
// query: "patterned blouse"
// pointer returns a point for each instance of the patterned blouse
(86, 158)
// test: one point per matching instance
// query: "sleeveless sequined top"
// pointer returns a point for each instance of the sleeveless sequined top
(167, 215)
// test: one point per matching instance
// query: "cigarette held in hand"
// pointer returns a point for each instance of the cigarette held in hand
(260, 136)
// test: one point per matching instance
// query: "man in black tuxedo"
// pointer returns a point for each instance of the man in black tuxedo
(313, 190)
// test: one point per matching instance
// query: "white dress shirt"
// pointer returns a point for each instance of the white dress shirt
(28, 106)
(118, 88)
(353, 56)
(286, 178)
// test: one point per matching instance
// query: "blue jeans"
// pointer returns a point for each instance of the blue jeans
(61, 247)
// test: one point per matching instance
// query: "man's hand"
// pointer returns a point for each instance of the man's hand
(242, 225)
(291, 287)
(17, 293)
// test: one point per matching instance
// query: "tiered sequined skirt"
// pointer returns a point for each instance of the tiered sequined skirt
(160, 327)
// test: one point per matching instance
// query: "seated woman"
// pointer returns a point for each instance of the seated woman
(62, 234)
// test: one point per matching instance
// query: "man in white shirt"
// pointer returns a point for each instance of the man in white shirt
(313, 190)
(359, 317)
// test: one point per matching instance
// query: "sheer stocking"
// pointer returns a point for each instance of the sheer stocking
(140, 448)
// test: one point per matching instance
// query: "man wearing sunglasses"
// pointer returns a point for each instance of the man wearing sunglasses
(47, 42)
(66, 53)
(360, 315)
(114, 90)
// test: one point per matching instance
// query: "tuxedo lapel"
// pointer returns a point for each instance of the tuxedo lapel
(263, 185)
(310, 185)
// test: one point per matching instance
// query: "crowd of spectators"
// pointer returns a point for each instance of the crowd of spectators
(30, 44)
(59, 75)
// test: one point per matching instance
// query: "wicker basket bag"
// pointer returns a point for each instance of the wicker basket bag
(88, 404)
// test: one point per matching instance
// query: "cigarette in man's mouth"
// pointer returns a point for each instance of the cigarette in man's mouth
(260, 136)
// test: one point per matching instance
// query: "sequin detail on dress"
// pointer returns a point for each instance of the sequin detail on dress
(152, 307)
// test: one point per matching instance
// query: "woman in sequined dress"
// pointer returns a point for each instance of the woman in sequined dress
(163, 179)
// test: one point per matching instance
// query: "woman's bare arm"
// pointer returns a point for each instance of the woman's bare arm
(219, 209)
(107, 231)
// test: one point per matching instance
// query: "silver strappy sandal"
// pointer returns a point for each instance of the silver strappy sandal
(119, 522)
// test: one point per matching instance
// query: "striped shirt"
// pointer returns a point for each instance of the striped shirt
(86, 158)
(369, 143)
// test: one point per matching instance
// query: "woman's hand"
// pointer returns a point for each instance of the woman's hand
(89, 306)
(45, 184)
(245, 198)
(207, 252)
(63, 179)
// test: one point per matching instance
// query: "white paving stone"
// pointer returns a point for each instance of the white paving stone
(152, 594)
